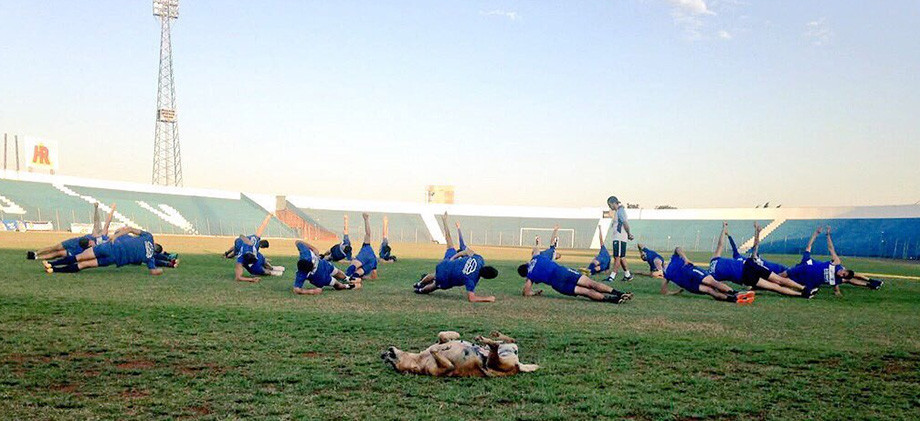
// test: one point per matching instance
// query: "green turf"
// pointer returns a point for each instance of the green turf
(118, 343)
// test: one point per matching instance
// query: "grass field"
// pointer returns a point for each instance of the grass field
(117, 343)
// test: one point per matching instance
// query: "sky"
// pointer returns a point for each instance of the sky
(690, 103)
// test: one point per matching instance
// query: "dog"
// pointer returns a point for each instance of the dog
(496, 356)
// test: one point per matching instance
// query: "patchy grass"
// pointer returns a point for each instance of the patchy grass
(117, 343)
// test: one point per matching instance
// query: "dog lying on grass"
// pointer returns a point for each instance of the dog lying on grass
(496, 356)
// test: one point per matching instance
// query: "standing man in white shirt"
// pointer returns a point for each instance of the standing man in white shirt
(621, 236)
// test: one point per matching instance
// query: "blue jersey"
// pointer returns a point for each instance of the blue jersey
(774, 267)
(811, 273)
(650, 256)
(460, 272)
(320, 276)
(385, 249)
(725, 269)
(603, 258)
(684, 275)
(543, 270)
(130, 250)
(337, 252)
(247, 248)
(72, 245)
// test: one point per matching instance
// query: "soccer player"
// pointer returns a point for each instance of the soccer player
(386, 252)
(365, 263)
(128, 246)
(621, 236)
(543, 270)
(319, 272)
(695, 280)
(255, 239)
(458, 268)
(251, 259)
(601, 262)
(341, 250)
(813, 274)
(654, 260)
(773, 266)
(750, 271)
(76, 245)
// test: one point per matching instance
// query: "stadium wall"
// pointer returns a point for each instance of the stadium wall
(871, 231)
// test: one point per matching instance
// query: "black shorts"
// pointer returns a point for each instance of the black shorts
(753, 271)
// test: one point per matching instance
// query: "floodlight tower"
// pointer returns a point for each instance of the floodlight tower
(167, 160)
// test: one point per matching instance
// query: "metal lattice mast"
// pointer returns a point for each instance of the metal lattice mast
(167, 159)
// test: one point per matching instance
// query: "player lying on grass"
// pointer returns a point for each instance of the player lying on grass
(386, 252)
(773, 266)
(621, 236)
(76, 245)
(654, 260)
(166, 260)
(458, 268)
(749, 271)
(683, 273)
(341, 250)
(246, 242)
(320, 273)
(128, 246)
(252, 260)
(553, 242)
(813, 273)
(365, 262)
(497, 356)
(543, 270)
(601, 262)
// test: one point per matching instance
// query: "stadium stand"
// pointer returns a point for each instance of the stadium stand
(870, 231)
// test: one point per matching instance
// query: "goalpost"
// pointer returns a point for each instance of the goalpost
(566, 236)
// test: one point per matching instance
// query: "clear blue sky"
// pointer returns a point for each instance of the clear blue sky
(560, 103)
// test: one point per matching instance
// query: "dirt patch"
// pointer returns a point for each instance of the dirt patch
(310, 354)
(65, 388)
(200, 410)
(203, 369)
(134, 394)
(136, 365)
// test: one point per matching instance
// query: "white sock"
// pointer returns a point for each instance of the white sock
(627, 274)
(613, 275)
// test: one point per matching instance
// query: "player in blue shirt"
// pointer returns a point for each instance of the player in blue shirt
(601, 262)
(687, 276)
(654, 260)
(128, 246)
(76, 245)
(318, 272)
(256, 239)
(543, 270)
(252, 260)
(458, 268)
(342, 250)
(750, 271)
(813, 273)
(365, 263)
(773, 266)
(386, 252)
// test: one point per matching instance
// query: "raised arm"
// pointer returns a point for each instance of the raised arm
(108, 220)
(600, 234)
(450, 241)
(811, 241)
(680, 252)
(262, 227)
(721, 243)
(756, 247)
(554, 240)
(835, 259)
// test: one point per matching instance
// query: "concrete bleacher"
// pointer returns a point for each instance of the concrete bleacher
(43, 202)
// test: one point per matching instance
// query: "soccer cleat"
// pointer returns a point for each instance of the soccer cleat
(875, 284)
(626, 296)
(746, 297)
(30, 255)
(612, 298)
(611, 278)
(627, 278)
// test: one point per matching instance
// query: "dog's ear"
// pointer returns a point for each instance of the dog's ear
(528, 368)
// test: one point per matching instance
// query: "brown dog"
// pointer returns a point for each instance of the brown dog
(451, 357)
